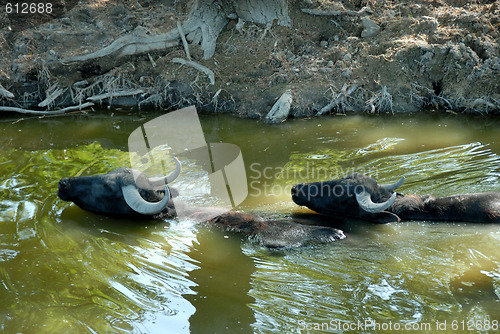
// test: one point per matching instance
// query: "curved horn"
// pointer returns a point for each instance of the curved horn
(140, 205)
(394, 186)
(170, 177)
(366, 203)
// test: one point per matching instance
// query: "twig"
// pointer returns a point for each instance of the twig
(336, 24)
(184, 41)
(153, 63)
(47, 112)
(199, 67)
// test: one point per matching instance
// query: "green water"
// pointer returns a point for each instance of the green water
(66, 270)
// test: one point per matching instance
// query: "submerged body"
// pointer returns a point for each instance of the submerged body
(125, 192)
(341, 198)
(475, 207)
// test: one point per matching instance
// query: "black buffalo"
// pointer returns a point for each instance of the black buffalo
(127, 192)
(360, 196)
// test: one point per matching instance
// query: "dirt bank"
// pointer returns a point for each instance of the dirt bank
(240, 56)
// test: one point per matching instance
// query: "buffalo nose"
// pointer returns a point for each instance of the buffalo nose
(64, 188)
(63, 184)
(296, 189)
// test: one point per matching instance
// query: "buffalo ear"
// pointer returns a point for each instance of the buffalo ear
(383, 217)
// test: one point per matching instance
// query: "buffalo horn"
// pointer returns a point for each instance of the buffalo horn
(366, 203)
(140, 205)
(169, 178)
(393, 186)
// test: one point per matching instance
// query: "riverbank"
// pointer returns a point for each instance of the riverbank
(320, 57)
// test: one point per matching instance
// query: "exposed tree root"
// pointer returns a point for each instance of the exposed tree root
(339, 102)
(380, 102)
(204, 24)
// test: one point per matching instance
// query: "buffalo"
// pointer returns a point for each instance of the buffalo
(129, 193)
(360, 196)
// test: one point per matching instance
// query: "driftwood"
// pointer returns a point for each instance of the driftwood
(47, 112)
(280, 110)
(199, 67)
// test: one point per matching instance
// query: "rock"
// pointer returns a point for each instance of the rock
(370, 28)
(20, 47)
(53, 55)
(280, 110)
(346, 73)
(66, 21)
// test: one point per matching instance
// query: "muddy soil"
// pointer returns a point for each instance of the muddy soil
(334, 57)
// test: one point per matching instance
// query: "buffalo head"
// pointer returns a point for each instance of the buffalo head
(123, 191)
(355, 195)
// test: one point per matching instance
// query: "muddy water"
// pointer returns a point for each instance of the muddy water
(63, 269)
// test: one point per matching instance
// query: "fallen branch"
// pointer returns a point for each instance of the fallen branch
(46, 112)
(153, 63)
(197, 66)
(101, 97)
